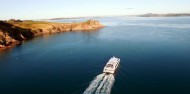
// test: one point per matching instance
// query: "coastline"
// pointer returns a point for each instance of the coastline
(13, 32)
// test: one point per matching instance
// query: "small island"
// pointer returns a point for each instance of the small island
(12, 32)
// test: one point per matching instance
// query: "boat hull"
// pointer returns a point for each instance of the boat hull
(111, 70)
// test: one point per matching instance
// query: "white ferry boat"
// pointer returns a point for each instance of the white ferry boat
(111, 65)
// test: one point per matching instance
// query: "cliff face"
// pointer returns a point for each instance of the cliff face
(12, 32)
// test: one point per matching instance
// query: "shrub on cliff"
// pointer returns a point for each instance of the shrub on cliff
(14, 21)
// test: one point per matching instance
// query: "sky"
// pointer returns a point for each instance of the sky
(44, 9)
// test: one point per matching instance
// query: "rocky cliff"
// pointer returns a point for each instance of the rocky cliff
(13, 32)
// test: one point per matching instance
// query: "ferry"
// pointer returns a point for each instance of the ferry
(111, 65)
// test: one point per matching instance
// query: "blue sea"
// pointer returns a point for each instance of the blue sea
(154, 53)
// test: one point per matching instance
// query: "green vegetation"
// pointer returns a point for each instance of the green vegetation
(29, 24)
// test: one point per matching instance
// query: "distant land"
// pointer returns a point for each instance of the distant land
(13, 32)
(164, 15)
(141, 15)
(89, 17)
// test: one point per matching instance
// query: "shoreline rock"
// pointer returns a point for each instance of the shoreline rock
(13, 32)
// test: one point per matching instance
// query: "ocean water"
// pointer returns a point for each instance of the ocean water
(154, 53)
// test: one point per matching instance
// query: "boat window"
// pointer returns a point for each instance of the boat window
(109, 65)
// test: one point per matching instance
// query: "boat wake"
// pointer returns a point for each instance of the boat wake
(101, 84)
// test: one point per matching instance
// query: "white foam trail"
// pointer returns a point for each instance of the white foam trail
(105, 87)
(94, 84)
(102, 84)
(111, 82)
(98, 90)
